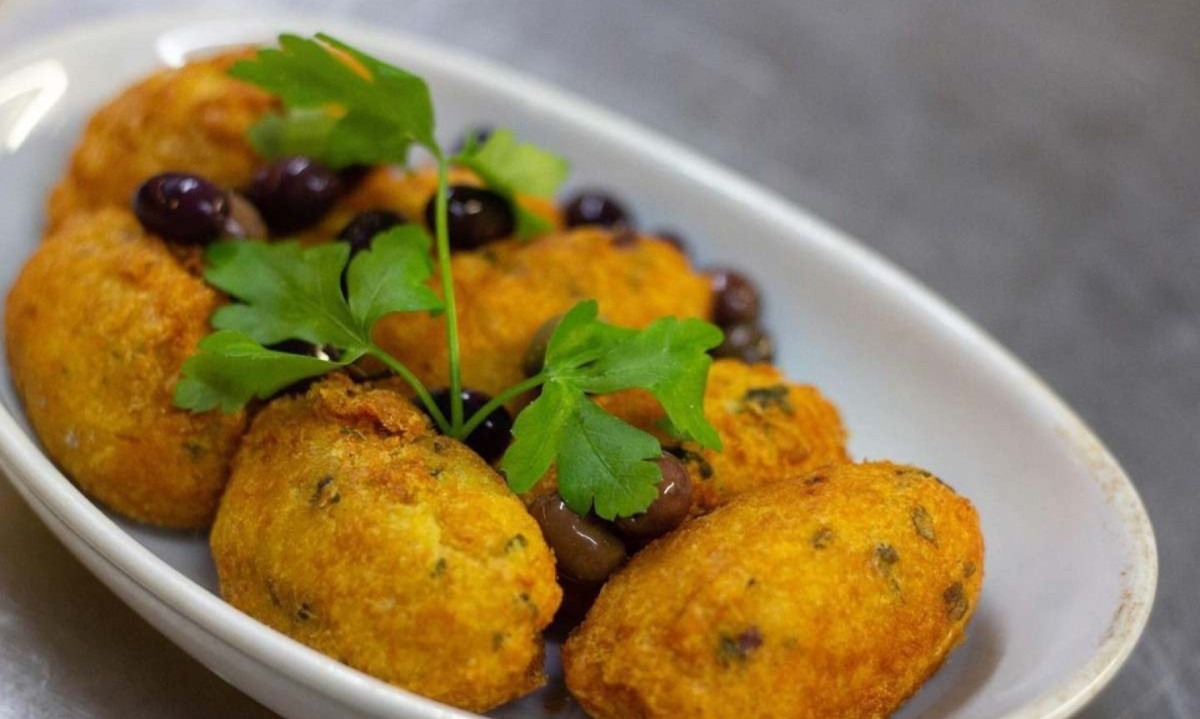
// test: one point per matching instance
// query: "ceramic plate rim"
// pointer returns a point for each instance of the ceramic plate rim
(36, 475)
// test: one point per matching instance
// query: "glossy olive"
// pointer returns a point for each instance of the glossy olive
(181, 208)
(668, 510)
(362, 229)
(474, 217)
(748, 342)
(736, 299)
(596, 208)
(292, 193)
(492, 436)
(585, 549)
(308, 349)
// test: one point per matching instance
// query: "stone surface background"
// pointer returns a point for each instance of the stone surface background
(1035, 161)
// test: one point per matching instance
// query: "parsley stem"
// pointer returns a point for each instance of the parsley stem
(496, 402)
(443, 250)
(418, 387)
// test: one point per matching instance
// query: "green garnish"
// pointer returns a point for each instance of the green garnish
(364, 111)
(508, 166)
(602, 461)
(377, 117)
(290, 292)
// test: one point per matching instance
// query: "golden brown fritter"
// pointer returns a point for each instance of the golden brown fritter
(353, 527)
(99, 323)
(832, 596)
(188, 119)
(770, 429)
(507, 290)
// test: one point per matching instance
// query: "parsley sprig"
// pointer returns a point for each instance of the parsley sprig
(344, 107)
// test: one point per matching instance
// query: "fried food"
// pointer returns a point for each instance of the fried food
(770, 429)
(188, 119)
(353, 527)
(509, 289)
(99, 323)
(834, 595)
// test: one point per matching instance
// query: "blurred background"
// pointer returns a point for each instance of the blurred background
(1036, 162)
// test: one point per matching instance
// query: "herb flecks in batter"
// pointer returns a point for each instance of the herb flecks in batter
(736, 649)
(344, 108)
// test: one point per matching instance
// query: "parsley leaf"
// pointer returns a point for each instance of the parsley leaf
(231, 368)
(377, 110)
(509, 167)
(392, 276)
(602, 461)
(288, 292)
(296, 132)
(291, 292)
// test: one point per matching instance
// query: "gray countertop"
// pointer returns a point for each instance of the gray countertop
(1035, 162)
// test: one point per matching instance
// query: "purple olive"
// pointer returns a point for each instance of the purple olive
(475, 217)
(585, 549)
(668, 510)
(362, 229)
(292, 193)
(493, 435)
(748, 342)
(596, 208)
(736, 299)
(181, 208)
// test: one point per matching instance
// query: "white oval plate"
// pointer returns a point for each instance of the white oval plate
(1071, 561)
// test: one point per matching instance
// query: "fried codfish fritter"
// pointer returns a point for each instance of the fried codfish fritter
(507, 290)
(187, 119)
(770, 429)
(829, 596)
(353, 527)
(99, 323)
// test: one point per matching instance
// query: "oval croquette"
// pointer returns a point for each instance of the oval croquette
(188, 119)
(829, 596)
(353, 527)
(99, 324)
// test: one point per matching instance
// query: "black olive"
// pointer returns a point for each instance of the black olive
(748, 342)
(585, 549)
(181, 207)
(292, 193)
(596, 208)
(362, 229)
(736, 299)
(475, 217)
(492, 436)
(308, 349)
(668, 510)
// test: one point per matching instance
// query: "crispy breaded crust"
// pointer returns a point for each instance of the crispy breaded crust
(353, 527)
(770, 429)
(507, 290)
(830, 596)
(187, 119)
(99, 323)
